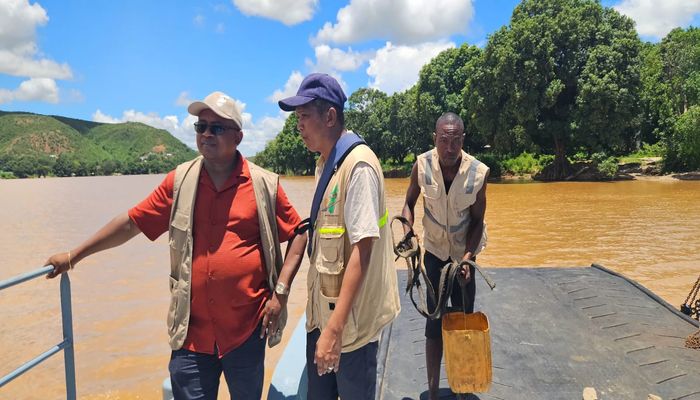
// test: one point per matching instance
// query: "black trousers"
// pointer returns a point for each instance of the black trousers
(356, 378)
(196, 375)
(433, 266)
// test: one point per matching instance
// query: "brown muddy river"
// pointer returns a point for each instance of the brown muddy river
(647, 230)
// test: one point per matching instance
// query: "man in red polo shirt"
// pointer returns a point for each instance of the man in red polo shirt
(223, 238)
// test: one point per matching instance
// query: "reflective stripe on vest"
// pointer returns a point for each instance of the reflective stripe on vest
(381, 222)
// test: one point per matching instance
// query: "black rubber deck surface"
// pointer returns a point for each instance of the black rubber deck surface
(554, 332)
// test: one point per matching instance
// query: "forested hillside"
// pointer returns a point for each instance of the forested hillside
(39, 145)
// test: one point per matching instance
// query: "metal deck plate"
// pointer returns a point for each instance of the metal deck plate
(554, 332)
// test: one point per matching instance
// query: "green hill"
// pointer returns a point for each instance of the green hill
(39, 145)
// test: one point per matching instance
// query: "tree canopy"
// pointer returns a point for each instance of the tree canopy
(568, 78)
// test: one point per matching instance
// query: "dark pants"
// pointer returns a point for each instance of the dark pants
(433, 266)
(196, 375)
(356, 378)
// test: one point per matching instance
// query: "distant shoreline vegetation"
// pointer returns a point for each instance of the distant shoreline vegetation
(33, 145)
(567, 88)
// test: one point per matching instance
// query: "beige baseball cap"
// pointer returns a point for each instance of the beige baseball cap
(222, 104)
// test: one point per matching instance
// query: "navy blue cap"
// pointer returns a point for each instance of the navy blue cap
(315, 86)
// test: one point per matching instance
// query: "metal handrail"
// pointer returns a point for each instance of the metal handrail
(66, 345)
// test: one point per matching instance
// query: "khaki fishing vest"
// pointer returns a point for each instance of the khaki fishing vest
(446, 217)
(377, 302)
(181, 242)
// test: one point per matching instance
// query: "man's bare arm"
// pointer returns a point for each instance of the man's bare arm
(412, 194)
(118, 231)
(292, 261)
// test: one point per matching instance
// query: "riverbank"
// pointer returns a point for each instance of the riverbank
(530, 167)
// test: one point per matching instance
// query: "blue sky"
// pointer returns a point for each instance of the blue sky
(146, 60)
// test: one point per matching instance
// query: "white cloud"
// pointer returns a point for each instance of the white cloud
(289, 12)
(35, 89)
(18, 64)
(38, 89)
(20, 55)
(401, 21)
(255, 133)
(294, 81)
(657, 18)
(199, 20)
(18, 22)
(183, 99)
(290, 88)
(220, 28)
(396, 68)
(330, 60)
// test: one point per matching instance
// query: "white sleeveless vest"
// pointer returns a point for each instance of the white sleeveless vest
(446, 217)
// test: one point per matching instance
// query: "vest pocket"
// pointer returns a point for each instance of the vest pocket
(172, 310)
(178, 238)
(327, 305)
(330, 262)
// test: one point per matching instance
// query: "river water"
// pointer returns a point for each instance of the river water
(647, 230)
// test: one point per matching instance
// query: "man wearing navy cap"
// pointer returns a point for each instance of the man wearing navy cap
(352, 288)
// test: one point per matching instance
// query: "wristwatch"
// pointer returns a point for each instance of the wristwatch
(281, 289)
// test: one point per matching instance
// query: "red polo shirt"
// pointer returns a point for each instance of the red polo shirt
(229, 286)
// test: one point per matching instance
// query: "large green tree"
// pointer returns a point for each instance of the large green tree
(657, 111)
(439, 90)
(680, 52)
(563, 74)
(367, 115)
(286, 153)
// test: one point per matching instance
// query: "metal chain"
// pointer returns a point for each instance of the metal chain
(693, 291)
(691, 306)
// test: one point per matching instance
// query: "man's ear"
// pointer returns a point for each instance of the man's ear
(434, 138)
(331, 117)
(239, 137)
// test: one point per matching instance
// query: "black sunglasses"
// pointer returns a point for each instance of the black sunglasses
(215, 129)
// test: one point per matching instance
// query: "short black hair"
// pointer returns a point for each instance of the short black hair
(322, 106)
(450, 118)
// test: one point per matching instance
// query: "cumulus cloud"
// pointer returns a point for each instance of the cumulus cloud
(20, 55)
(290, 88)
(657, 18)
(396, 68)
(289, 12)
(294, 81)
(401, 21)
(17, 64)
(38, 89)
(330, 60)
(255, 133)
(35, 89)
